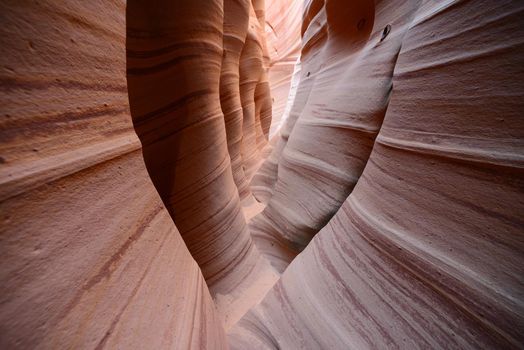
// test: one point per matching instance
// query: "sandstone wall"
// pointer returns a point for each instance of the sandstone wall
(427, 251)
(90, 256)
(377, 205)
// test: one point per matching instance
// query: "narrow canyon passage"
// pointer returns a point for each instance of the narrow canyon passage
(262, 174)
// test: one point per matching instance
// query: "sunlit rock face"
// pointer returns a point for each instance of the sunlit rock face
(283, 25)
(284, 21)
(287, 174)
(251, 70)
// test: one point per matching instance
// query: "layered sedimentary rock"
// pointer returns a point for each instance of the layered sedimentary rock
(251, 70)
(283, 20)
(428, 249)
(244, 89)
(236, 22)
(313, 39)
(396, 169)
(254, 91)
(173, 73)
(90, 256)
(262, 97)
(174, 53)
(344, 110)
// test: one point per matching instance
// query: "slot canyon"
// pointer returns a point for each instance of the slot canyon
(262, 174)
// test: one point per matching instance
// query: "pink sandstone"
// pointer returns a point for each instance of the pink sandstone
(250, 174)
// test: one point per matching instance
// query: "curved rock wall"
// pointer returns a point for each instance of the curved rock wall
(283, 21)
(251, 70)
(90, 256)
(175, 54)
(264, 180)
(236, 22)
(428, 249)
(65, 104)
(330, 142)
(393, 185)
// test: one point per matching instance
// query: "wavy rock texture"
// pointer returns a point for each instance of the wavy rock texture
(254, 91)
(236, 22)
(174, 53)
(284, 19)
(262, 97)
(428, 250)
(394, 170)
(283, 22)
(245, 92)
(90, 256)
(251, 70)
(264, 180)
(343, 113)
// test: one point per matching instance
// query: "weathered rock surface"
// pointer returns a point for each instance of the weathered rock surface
(343, 112)
(90, 256)
(174, 53)
(283, 22)
(251, 70)
(236, 23)
(428, 250)
(393, 185)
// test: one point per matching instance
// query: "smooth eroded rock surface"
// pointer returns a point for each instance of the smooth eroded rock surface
(428, 249)
(174, 59)
(90, 256)
(250, 174)
(336, 126)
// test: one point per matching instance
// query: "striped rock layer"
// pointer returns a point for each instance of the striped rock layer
(351, 74)
(392, 192)
(427, 251)
(236, 22)
(174, 60)
(91, 258)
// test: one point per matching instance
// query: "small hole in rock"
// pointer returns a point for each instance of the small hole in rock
(385, 32)
(308, 74)
(361, 24)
